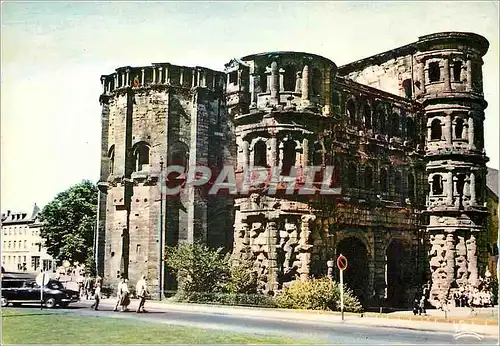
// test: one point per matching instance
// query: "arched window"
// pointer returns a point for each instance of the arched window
(317, 82)
(434, 72)
(398, 186)
(436, 131)
(289, 78)
(460, 184)
(437, 184)
(289, 156)
(394, 125)
(141, 155)
(368, 177)
(411, 187)
(179, 154)
(260, 154)
(352, 175)
(367, 115)
(410, 128)
(407, 88)
(459, 128)
(111, 156)
(317, 154)
(383, 180)
(457, 70)
(351, 112)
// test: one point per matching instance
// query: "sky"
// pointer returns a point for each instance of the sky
(53, 54)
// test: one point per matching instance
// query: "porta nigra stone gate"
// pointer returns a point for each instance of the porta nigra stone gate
(403, 130)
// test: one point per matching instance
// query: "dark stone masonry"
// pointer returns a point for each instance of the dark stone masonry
(403, 130)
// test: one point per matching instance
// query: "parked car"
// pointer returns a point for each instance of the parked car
(17, 291)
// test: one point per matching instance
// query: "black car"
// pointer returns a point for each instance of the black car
(27, 291)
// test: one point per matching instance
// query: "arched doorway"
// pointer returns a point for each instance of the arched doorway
(356, 274)
(395, 277)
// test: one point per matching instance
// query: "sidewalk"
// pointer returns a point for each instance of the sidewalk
(453, 324)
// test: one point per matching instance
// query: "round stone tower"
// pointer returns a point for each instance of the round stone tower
(279, 102)
(449, 85)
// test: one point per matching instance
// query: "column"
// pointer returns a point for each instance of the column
(298, 82)
(160, 75)
(305, 246)
(116, 80)
(448, 128)
(449, 189)
(154, 75)
(246, 157)
(142, 76)
(421, 76)
(103, 83)
(127, 78)
(272, 263)
(252, 88)
(193, 78)
(469, 75)
(446, 74)
(181, 77)
(167, 75)
(305, 86)
(305, 152)
(472, 188)
(470, 132)
(272, 156)
(282, 79)
(472, 260)
(274, 85)
(450, 258)
(123, 80)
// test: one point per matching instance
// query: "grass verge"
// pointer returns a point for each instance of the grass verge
(27, 326)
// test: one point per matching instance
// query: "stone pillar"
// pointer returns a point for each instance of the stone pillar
(273, 152)
(448, 128)
(472, 260)
(450, 258)
(154, 75)
(446, 74)
(274, 83)
(160, 75)
(116, 81)
(282, 79)
(181, 77)
(127, 77)
(470, 133)
(472, 188)
(305, 152)
(193, 78)
(305, 86)
(253, 96)
(298, 82)
(103, 83)
(246, 154)
(123, 80)
(461, 262)
(272, 239)
(142, 77)
(167, 75)
(422, 77)
(469, 75)
(449, 188)
(437, 262)
(305, 246)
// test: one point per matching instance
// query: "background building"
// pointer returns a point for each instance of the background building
(22, 246)
(403, 130)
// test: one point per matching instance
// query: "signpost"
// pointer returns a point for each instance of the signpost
(342, 264)
(42, 280)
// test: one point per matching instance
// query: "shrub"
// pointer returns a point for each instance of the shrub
(197, 267)
(317, 294)
(225, 299)
(242, 278)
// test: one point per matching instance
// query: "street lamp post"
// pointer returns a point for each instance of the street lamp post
(160, 235)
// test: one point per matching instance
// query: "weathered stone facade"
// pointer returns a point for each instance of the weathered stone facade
(402, 129)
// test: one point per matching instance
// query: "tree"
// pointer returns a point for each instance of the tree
(69, 223)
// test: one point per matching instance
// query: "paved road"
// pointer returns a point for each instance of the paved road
(333, 332)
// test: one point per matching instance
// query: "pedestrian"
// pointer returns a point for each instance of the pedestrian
(119, 293)
(125, 296)
(141, 290)
(97, 294)
(416, 307)
(422, 306)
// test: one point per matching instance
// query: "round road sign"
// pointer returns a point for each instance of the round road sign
(42, 279)
(342, 262)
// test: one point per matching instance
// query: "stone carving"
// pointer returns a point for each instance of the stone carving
(472, 260)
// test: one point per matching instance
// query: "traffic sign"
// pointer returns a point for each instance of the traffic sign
(42, 279)
(342, 262)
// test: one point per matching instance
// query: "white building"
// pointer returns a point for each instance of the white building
(22, 246)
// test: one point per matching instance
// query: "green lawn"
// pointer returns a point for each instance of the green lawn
(29, 326)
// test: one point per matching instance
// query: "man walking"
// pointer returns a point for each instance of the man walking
(119, 294)
(97, 294)
(142, 290)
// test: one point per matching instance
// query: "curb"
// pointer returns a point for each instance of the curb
(431, 319)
